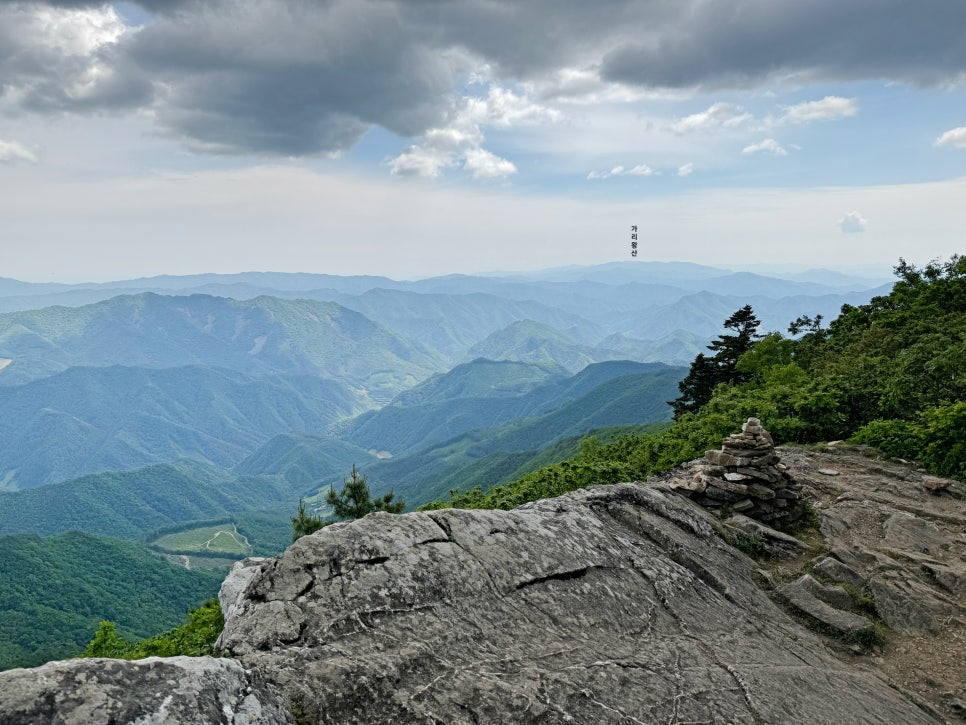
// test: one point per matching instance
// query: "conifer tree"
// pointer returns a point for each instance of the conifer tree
(355, 500)
(707, 373)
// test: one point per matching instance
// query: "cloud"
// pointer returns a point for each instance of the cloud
(827, 109)
(484, 165)
(54, 59)
(727, 45)
(769, 145)
(686, 169)
(955, 137)
(852, 223)
(297, 78)
(719, 115)
(11, 152)
(638, 170)
(460, 141)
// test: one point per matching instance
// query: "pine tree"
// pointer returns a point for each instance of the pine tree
(304, 523)
(355, 499)
(707, 373)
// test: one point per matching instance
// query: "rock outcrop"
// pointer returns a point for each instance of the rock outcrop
(153, 691)
(612, 604)
(746, 476)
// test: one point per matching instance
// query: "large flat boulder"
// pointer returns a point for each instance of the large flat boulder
(612, 604)
(153, 691)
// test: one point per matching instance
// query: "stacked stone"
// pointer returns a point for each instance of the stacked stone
(747, 477)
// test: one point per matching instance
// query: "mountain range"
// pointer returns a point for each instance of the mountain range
(138, 405)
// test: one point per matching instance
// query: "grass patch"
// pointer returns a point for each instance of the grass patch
(216, 539)
(868, 638)
(753, 545)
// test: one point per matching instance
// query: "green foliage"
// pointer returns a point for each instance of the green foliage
(869, 638)
(56, 589)
(707, 373)
(750, 544)
(303, 523)
(194, 638)
(936, 438)
(355, 500)
(106, 642)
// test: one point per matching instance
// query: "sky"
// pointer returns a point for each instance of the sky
(412, 138)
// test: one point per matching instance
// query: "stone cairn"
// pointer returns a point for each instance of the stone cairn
(747, 477)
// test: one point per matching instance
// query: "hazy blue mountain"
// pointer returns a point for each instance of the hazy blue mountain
(480, 394)
(453, 323)
(629, 271)
(675, 348)
(480, 378)
(86, 420)
(128, 504)
(756, 285)
(262, 336)
(702, 313)
(303, 459)
(533, 342)
(434, 427)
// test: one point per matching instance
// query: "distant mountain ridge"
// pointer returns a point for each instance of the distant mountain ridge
(266, 335)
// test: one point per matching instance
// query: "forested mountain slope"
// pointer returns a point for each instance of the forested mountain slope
(86, 420)
(57, 589)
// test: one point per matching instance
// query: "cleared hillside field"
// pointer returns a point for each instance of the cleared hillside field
(212, 539)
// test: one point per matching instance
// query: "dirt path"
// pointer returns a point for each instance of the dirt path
(239, 539)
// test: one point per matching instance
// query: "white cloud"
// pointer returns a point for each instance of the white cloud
(12, 152)
(719, 115)
(827, 109)
(853, 223)
(769, 145)
(484, 165)
(460, 143)
(955, 137)
(686, 169)
(639, 170)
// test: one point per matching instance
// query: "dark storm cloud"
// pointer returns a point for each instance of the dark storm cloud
(297, 77)
(291, 78)
(744, 43)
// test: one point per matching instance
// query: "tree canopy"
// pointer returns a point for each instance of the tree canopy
(707, 373)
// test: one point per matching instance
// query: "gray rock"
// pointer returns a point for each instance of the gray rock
(154, 691)
(242, 572)
(612, 604)
(835, 571)
(834, 596)
(776, 542)
(799, 596)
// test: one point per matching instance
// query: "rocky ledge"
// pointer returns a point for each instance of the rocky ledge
(614, 604)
